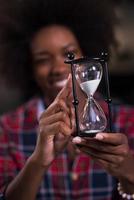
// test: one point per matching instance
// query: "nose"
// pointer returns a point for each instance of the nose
(59, 66)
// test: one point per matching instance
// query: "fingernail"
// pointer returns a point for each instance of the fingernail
(99, 136)
(69, 76)
(77, 140)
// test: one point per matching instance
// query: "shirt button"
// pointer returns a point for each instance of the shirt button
(74, 176)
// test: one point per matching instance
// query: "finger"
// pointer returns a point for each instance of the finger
(101, 155)
(56, 106)
(79, 140)
(61, 145)
(65, 92)
(106, 147)
(70, 99)
(72, 118)
(110, 167)
(60, 116)
(112, 138)
(101, 146)
(55, 128)
(71, 108)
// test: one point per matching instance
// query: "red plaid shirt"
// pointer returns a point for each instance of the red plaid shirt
(85, 181)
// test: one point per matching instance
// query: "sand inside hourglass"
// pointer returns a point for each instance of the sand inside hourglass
(89, 87)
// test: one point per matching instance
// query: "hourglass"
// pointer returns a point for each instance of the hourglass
(88, 73)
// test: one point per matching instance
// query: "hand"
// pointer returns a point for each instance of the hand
(111, 151)
(56, 125)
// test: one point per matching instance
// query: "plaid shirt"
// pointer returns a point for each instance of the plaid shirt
(85, 181)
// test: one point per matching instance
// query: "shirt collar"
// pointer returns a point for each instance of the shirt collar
(40, 108)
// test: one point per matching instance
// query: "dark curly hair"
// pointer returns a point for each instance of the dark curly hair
(90, 20)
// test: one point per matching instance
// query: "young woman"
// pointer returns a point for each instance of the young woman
(39, 159)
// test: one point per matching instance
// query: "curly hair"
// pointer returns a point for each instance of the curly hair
(91, 21)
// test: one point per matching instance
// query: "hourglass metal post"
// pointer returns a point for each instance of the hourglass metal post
(103, 60)
(75, 101)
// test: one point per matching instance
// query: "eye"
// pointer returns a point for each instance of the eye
(42, 61)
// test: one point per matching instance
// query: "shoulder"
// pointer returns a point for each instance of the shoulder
(124, 111)
(14, 119)
(123, 117)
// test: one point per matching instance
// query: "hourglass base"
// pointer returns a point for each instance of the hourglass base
(88, 133)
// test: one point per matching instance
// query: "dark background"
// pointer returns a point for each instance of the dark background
(121, 66)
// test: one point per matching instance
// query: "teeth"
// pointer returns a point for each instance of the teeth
(61, 83)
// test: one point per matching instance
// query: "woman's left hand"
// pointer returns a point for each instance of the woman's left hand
(111, 151)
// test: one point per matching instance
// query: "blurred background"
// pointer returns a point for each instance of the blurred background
(121, 66)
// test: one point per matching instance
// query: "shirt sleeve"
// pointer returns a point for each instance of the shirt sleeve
(7, 163)
(124, 123)
(129, 127)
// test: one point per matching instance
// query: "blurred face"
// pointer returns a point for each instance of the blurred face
(50, 47)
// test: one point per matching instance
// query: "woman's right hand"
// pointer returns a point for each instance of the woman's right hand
(56, 125)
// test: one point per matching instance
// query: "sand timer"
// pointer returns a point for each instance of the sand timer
(88, 73)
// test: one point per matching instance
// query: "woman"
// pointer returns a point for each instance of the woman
(42, 161)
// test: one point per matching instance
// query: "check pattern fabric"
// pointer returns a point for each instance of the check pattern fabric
(84, 181)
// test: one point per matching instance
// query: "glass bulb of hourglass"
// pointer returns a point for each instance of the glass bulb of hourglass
(92, 120)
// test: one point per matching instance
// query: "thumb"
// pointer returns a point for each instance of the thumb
(65, 92)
